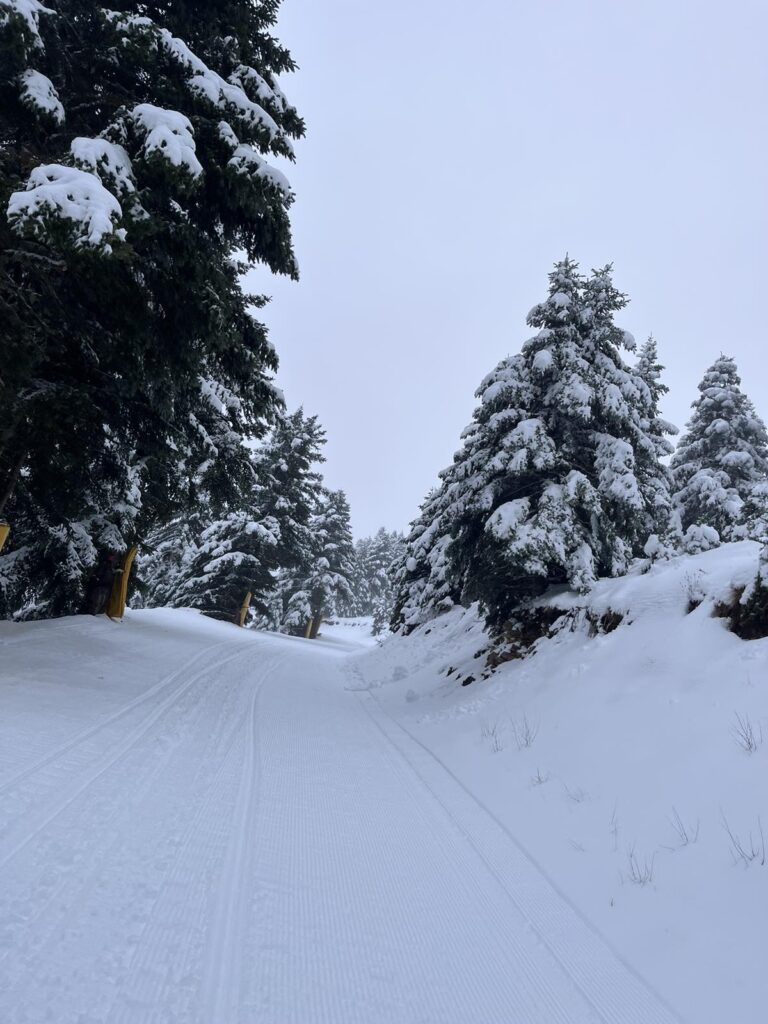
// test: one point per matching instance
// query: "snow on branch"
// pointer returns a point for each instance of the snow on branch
(220, 398)
(29, 13)
(227, 96)
(69, 196)
(266, 92)
(107, 160)
(247, 161)
(39, 95)
(168, 134)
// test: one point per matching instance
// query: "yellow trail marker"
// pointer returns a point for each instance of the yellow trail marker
(244, 608)
(308, 632)
(4, 531)
(116, 603)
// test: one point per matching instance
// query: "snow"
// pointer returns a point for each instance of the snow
(205, 824)
(168, 133)
(632, 729)
(107, 160)
(30, 11)
(508, 518)
(227, 96)
(543, 360)
(38, 93)
(245, 160)
(71, 195)
(224, 95)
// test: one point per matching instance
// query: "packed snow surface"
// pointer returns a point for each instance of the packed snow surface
(205, 824)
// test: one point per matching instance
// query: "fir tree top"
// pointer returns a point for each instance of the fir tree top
(723, 453)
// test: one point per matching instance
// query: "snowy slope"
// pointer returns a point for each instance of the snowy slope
(203, 825)
(633, 770)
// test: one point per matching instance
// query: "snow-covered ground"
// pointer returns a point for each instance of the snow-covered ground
(617, 762)
(203, 824)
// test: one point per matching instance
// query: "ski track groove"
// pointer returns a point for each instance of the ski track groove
(118, 925)
(45, 930)
(115, 716)
(221, 982)
(40, 821)
(615, 991)
(340, 894)
(204, 837)
(265, 846)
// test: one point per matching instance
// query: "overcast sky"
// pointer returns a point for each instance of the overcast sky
(455, 151)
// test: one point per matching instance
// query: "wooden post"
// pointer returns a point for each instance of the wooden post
(244, 608)
(117, 599)
(4, 531)
(308, 631)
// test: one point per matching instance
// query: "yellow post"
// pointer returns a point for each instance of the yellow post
(4, 531)
(116, 603)
(308, 632)
(244, 608)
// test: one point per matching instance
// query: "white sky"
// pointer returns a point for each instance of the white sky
(455, 151)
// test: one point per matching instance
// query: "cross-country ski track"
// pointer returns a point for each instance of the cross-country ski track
(221, 830)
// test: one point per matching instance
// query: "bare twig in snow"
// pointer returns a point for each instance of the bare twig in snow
(745, 735)
(578, 795)
(493, 733)
(640, 872)
(613, 827)
(686, 834)
(750, 850)
(525, 732)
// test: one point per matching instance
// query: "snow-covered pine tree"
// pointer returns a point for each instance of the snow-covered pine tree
(242, 546)
(322, 587)
(426, 582)
(376, 562)
(649, 369)
(721, 462)
(360, 582)
(134, 170)
(558, 479)
(666, 520)
(386, 549)
(287, 466)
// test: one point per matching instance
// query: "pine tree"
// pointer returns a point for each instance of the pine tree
(322, 586)
(664, 529)
(558, 479)
(133, 171)
(721, 463)
(361, 573)
(384, 558)
(241, 547)
(287, 466)
(375, 565)
(426, 582)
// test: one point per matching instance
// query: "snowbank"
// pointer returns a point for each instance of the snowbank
(630, 765)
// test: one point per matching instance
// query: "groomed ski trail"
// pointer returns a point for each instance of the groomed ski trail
(246, 841)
